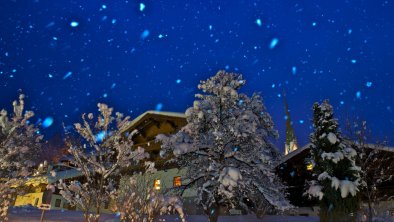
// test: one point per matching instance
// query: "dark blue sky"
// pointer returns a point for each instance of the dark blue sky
(68, 55)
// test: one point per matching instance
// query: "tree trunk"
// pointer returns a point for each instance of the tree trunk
(370, 211)
(97, 215)
(213, 213)
(86, 216)
(335, 216)
(261, 208)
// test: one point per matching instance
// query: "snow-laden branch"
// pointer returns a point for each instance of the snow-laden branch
(20, 146)
(100, 160)
(225, 143)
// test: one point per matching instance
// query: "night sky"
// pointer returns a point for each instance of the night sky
(67, 56)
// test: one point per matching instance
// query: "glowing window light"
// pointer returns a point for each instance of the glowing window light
(177, 181)
(157, 184)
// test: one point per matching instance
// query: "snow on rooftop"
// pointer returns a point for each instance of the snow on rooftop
(307, 146)
(153, 112)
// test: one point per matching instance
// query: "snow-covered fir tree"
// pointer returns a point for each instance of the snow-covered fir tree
(336, 175)
(376, 163)
(20, 144)
(136, 199)
(226, 147)
(104, 150)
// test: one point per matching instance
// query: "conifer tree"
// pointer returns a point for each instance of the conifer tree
(336, 176)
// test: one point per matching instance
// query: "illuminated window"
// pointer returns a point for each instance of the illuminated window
(309, 166)
(177, 181)
(157, 184)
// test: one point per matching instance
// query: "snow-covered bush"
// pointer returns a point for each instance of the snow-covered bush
(226, 146)
(136, 200)
(104, 150)
(336, 176)
(20, 144)
(376, 163)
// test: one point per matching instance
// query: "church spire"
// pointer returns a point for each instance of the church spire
(291, 140)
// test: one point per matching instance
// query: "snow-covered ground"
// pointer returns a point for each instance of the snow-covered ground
(33, 215)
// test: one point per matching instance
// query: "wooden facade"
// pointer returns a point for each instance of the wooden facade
(149, 125)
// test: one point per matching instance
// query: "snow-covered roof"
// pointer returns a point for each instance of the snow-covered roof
(65, 174)
(49, 179)
(294, 153)
(307, 146)
(380, 147)
(133, 124)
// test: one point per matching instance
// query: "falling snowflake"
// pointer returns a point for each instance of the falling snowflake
(159, 106)
(100, 136)
(142, 6)
(294, 70)
(74, 24)
(68, 74)
(144, 34)
(358, 95)
(273, 43)
(47, 122)
(258, 22)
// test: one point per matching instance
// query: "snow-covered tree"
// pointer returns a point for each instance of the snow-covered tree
(227, 150)
(20, 144)
(104, 150)
(377, 166)
(336, 175)
(136, 200)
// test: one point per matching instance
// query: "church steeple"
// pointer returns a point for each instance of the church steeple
(291, 140)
